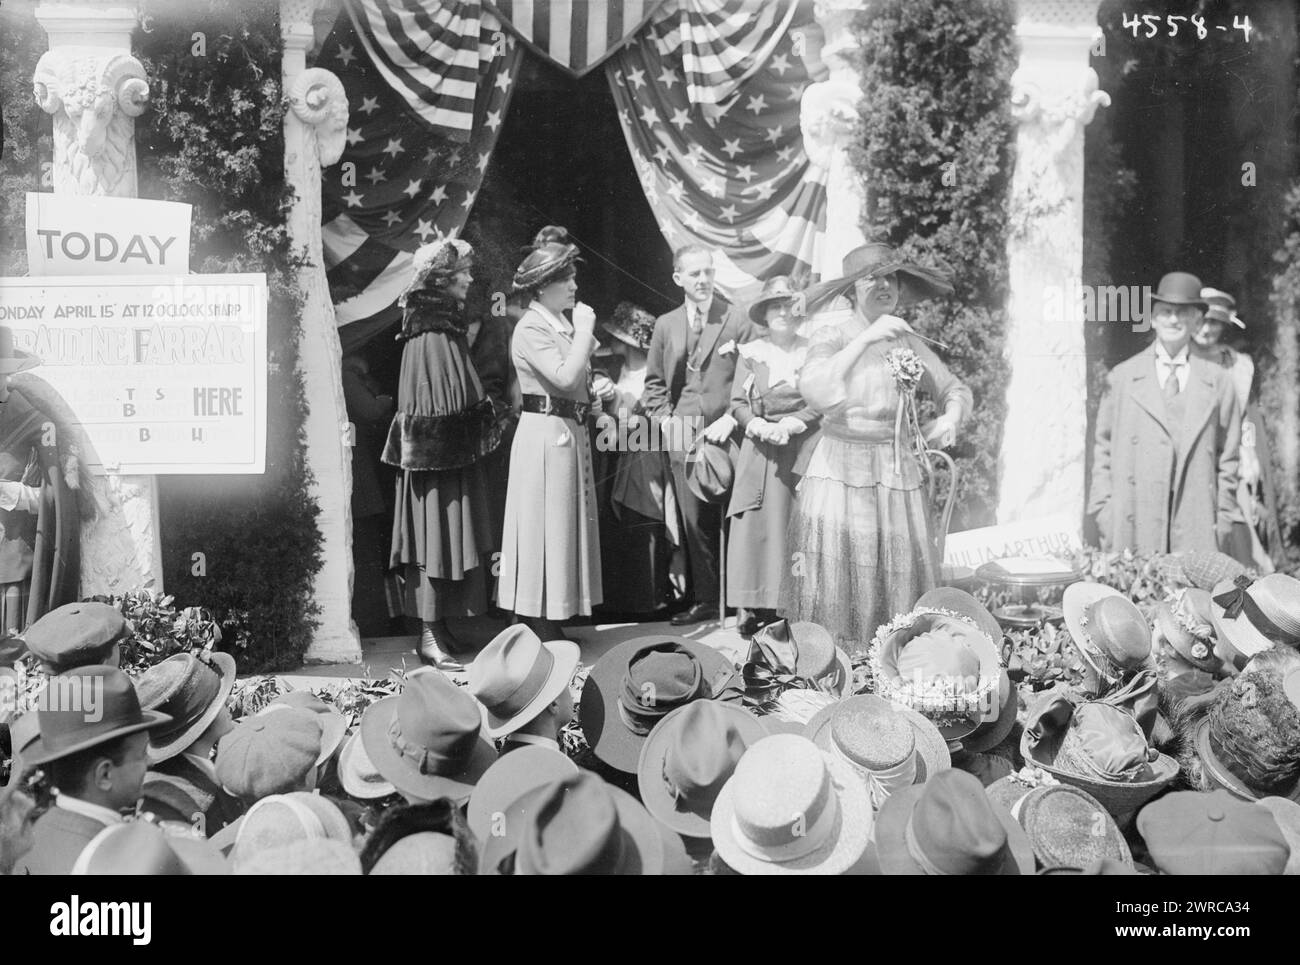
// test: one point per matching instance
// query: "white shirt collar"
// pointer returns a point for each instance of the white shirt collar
(96, 812)
(1162, 354)
(559, 323)
(538, 739)
(705, 308)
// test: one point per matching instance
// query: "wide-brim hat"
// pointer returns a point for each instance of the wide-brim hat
(916, 283)
(993, 732)
(1193, 649)
(119, 716)
(1069, 827)
(404, 774)
(654, 850)
(893, 851)
(333, 725)
(598, 711)
(1117, 797)
(656, 794)
(775, 289)
(513, 775)
(1076, 603)
(932, 754)
(543, 264)
(631, 325)
(845, 839)
(1180, 288)
(12, 361)
(551, 670)
(358, 775)
(816, 657)
(165, 746)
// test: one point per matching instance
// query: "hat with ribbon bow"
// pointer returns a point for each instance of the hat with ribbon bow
(1251, 615)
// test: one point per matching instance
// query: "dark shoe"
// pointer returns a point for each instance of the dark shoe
(438, 648)
(545, 629)
(696, 614)
(751, 624)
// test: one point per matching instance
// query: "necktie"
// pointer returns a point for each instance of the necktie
(697, 321)
(1172, 387)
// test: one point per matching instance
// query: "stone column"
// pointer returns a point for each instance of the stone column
(1054, 96)
(95, 89)
(828, 116)
(314, 132)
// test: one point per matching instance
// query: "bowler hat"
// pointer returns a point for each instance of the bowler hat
(190, 688)
(76, 635)
(517, 676)
(890, 746)
(949, 826)
(791, 808)
(269, 754)
(84, 708)
(775, 289)
(1222, 307)
(687, 758)
(333, 725)
(711, 471)
(1249, 741)
(1186, 622)
(511, 776)
(428, 739)
(579, 826)
(1107, 628)
(1180, 288)
(11, 361)
(940, 663)
(1250, 615)
(637, 683)
(809, 650)
(1191, 833)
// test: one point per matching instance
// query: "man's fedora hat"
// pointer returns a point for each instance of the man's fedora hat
(1108, 630)
(950, 826)
(191, 689)
(809, 649)
(687, 758)
(1223, 307)
(1249, 741)
(582, 826)
(511, 776)
(94, 705)
(1250, 615)
(1191, 833)
(1180, 288)
(76, 635)
(1186, 622)
(711, 471)
(517, 676)
(791, 808)
(1098, 747)
(941, 663)
(427, 740)
(358, 775)
(333, 725)
(1001, 717)
(24, 731)
(775, 289)
(874, 260)
(890, 746)
(639, 682)
(1068, 827)
(11, 361)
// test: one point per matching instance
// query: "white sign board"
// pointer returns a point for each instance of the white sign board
(1055, 536)
(75, 234)
(167, 376)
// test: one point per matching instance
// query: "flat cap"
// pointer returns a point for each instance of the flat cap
(76, 635)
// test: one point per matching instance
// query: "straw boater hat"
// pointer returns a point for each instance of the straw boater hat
(284, 819)
(333, 724)
(579, 826)
(1098, 747)
(427, 740)
(142, 848)
(809, 649)
(949, 826)
(192, 689)
(889, 746)
(1250, 616)
(1249, 742)
(791, 808)
(874, 260)
(509, 778)
(67, 728)
(543, 264)
(639, 682)
(687, 758)
(436, 262)
(941, 663)
(775, 289)
(358, 775)
(1108, 630)
(1185, 621)
(12, 362)
(1223, 307)
(516, 677)
(1066, 825)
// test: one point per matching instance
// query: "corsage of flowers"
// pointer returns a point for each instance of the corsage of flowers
(907, 368)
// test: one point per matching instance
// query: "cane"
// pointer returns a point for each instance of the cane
(722, 570)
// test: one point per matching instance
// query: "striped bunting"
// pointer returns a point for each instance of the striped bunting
(574, 35)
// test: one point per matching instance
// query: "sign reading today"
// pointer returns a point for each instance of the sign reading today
(80, 235)
(1055, 536)
(166, 376)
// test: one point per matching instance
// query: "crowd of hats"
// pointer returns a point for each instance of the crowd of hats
(1176, 751)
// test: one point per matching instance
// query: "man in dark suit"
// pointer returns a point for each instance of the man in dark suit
(688, 391)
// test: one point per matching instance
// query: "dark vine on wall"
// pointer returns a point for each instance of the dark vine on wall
(936, 155)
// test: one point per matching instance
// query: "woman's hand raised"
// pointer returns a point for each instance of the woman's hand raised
(885, 328)
(584, 319)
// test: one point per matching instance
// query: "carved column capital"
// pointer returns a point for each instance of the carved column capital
(1059, 104)
(318, 100)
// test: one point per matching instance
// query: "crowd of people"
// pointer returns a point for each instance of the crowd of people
(872, 727)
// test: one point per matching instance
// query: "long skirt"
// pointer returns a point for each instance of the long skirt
(441, 535)
(758, 555)
(550, 548)
(859, 556)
